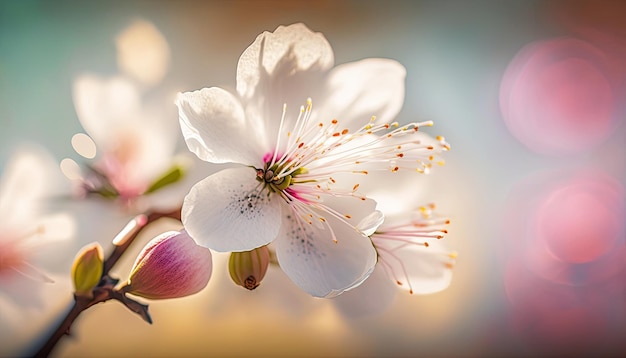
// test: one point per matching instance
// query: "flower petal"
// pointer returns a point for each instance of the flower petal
(104, 104)
(357, 91)
(428, 269)
(317, 264)
(135, 139)
(287, 50)
(285, 67)
(372, 297)
(215, 128)
(171, 265)
(370, 223)
(228, 211)
(29, 177)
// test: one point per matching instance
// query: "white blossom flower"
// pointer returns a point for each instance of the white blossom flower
(285, 191)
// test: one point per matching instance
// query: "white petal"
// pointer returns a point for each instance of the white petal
(104, 104)
(228, 211)
(370, 223)
(58, 227)
(355, 208)
(318, 265)
(141, 138)
(30, 176)
(371, 297)
(427, 268)
(279, 55)
(357, 91)
(215, 128)
(156, 136)
(282, 68)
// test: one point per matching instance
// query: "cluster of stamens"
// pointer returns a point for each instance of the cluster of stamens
(276, 183)
(300, 169)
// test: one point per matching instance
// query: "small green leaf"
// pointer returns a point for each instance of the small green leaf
(171, 176)
(109, 193)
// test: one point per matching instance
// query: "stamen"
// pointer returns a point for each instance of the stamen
(280, 130)
(303, 164)
(389, 270)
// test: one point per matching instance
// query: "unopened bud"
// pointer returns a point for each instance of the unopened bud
(171, 265)
(87, 270)
(248, 268)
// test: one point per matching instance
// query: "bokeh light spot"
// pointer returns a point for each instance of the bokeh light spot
(70, 169)
(556, 98)
(143, 52)
(577, 226)
(84, 145)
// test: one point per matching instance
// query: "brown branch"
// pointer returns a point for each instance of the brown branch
(105, 290)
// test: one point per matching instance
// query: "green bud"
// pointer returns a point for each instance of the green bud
(87, 269)
(248, 268)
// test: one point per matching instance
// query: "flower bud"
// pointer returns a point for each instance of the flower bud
(87, 269)
(248, 268)
(171, 265)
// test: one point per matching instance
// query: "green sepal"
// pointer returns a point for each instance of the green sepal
(173, 175)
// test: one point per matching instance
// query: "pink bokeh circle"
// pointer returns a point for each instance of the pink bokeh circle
(557, 97)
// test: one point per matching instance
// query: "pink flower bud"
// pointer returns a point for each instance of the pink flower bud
(171, 265)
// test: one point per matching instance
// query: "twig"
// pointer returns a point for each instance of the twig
(105, 290)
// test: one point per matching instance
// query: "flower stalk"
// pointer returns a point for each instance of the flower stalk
(106, 288)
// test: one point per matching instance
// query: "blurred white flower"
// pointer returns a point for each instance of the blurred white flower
(409, 253)
(31, 245)
(130, 139)
(285, 191)
(135, 144)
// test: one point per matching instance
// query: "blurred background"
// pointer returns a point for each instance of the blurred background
(530, 95)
